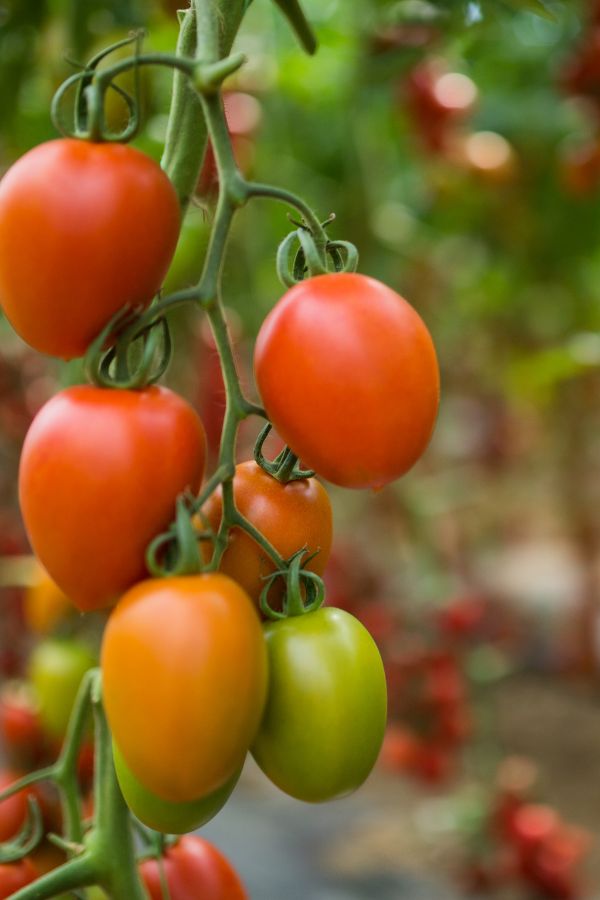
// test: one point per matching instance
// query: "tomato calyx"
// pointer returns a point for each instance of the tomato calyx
(305, 590)
(285, 467)
(314, 255)
(177, 551)
(122, 365)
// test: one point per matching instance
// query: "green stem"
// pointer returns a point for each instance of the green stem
(75, 873)
(111, 841)
(186, 130)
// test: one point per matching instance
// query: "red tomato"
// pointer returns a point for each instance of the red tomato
(20, 726)
(348, 375)
(100, 473)
(195, 870)
(184, 672)
(14, 876)
(85, 229)
(13, 810)
(290, 516)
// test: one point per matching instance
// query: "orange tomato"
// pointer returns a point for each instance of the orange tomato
(290, 516)
(184, 669)
(44, 604)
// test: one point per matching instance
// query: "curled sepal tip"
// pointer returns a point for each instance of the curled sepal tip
(28, 837)
(304, 593)
(176, 551)
(298, 257)
(127, 357)
(285, 467)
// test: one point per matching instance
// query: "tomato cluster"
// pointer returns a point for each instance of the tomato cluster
(192, 678)
(532, 847)
(579, 77)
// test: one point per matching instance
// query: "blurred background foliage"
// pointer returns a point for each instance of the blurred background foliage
(458, 143)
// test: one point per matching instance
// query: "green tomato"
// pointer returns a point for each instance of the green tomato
(326, 710)
(163, 815)
(56, 667)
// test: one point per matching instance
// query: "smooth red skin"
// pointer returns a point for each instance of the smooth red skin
(289, 515)
(14, 876)
(85, 229)
(348, 375)
(195, 870)
(13, 810)
(99, 477)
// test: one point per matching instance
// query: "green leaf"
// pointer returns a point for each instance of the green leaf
(540, 7)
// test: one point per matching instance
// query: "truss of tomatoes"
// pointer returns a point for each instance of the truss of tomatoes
(192, 678)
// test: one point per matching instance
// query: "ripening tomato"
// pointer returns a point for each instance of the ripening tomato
(348, 375)
(162, 815)
(99, 477)
(290, 516)
(184, 669)
(44, 604)
(195, 870)
(325, 716)
(13, 810)
(20, 729)
(85, 229)
(56, 667)
(14, 876)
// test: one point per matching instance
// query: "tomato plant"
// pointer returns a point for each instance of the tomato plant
(293, 515)
(99, 476)
(359, 408)
(194, 870)
(326, 709)
(190, 652)
(56, 667)
(162, 815)
(85, 229)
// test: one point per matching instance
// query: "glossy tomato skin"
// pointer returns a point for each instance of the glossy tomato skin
(184, 668)
(99, 476)
(170, 818)
(56, 668)
(290, 516)
(195, 870)
(348, 375)
(325, 716)
(85, 229)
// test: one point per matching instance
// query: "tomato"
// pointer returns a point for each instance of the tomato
(20, 728)
(44, 604)
(325, 716)
(85, 229)
(290, 516)
(56, 667)
(13, 810)
(348, 375)
(14, 876)
(195, 870)
(184, 669)
(99, 477)
(162, 815)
